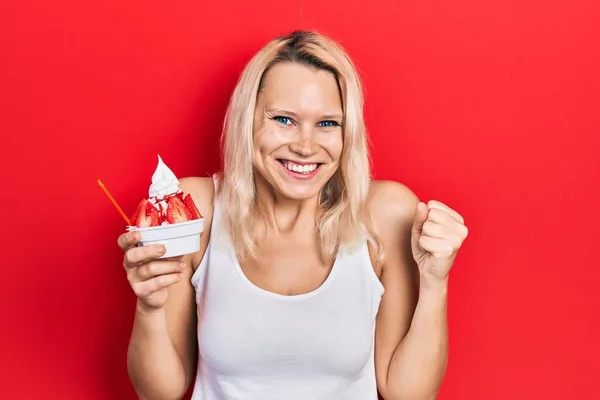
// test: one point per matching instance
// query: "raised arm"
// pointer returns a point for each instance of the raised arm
(420, 245)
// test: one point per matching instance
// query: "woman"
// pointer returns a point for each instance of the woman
(312, 281)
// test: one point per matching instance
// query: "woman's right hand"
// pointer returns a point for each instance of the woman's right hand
(148, 275)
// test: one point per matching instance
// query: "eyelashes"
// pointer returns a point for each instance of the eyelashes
(331, 124)
(281, 120)
(287, 121)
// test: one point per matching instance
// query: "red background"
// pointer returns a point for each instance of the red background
(491, 107)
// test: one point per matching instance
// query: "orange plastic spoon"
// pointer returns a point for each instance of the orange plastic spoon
(112, 199)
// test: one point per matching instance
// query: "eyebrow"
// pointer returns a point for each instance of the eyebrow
(293, 114)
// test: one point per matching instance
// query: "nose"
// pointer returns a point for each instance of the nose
(304, 143)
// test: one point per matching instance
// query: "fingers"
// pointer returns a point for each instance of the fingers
(148, 278)
(440, 223)
(146, 288)
(143, 254)
(128, 240)
(438, 231)
(152, 269)
(147, 273)
(437, 247)
(433, 204)
(420, 218)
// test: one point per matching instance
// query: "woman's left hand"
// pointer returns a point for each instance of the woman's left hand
(437, 234)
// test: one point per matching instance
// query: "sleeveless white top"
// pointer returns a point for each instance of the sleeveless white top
(259, 345)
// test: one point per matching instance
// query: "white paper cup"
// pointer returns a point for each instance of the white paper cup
(179, 239)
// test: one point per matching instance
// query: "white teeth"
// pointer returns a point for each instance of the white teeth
(302, 169)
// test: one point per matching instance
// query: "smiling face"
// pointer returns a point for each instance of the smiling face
(297, 130)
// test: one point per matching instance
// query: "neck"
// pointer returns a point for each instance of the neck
(282, 213)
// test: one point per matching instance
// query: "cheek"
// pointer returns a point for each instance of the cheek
(333, 144)
(267, 141)
(263, 140)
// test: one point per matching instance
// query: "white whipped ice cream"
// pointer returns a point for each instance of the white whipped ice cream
(164, 182)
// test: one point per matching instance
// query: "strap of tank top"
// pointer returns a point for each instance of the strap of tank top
(216, 202)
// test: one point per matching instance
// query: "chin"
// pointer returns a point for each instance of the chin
(298, 193)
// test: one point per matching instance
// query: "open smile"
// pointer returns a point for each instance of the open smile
(300, 170)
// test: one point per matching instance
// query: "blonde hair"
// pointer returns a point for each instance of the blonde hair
(342, 220)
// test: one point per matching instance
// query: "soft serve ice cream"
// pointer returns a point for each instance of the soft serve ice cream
(164, 181)
(166, 204)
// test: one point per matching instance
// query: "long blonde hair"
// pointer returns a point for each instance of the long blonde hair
(342, 220)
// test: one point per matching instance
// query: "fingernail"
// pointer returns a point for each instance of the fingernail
(182, 265)
(160, 250)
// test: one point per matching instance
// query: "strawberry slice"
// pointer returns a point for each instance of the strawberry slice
(136, 215)
(145, 215)
(191, 206)
(177, 211)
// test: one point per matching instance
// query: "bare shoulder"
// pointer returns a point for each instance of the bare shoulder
(391, 207)
(391, 204)
(202, 191)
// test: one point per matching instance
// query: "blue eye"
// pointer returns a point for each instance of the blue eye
(282, 120)
(328, 124)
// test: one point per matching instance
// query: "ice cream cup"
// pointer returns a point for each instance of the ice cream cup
(179, 239)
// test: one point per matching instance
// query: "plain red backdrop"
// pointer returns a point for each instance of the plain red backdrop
(490, 107)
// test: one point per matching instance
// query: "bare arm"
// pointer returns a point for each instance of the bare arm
(162, 348)
(161, 352)
(411, 339)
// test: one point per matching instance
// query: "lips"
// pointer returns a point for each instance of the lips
(306, 169)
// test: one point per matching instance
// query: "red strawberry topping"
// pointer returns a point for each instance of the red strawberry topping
(177, 211)
(145, 215)
(136, 214)
(191, 206)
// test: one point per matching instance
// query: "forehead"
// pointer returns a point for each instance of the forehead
(299, 88)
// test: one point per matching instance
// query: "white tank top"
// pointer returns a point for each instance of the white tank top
(259, 345)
